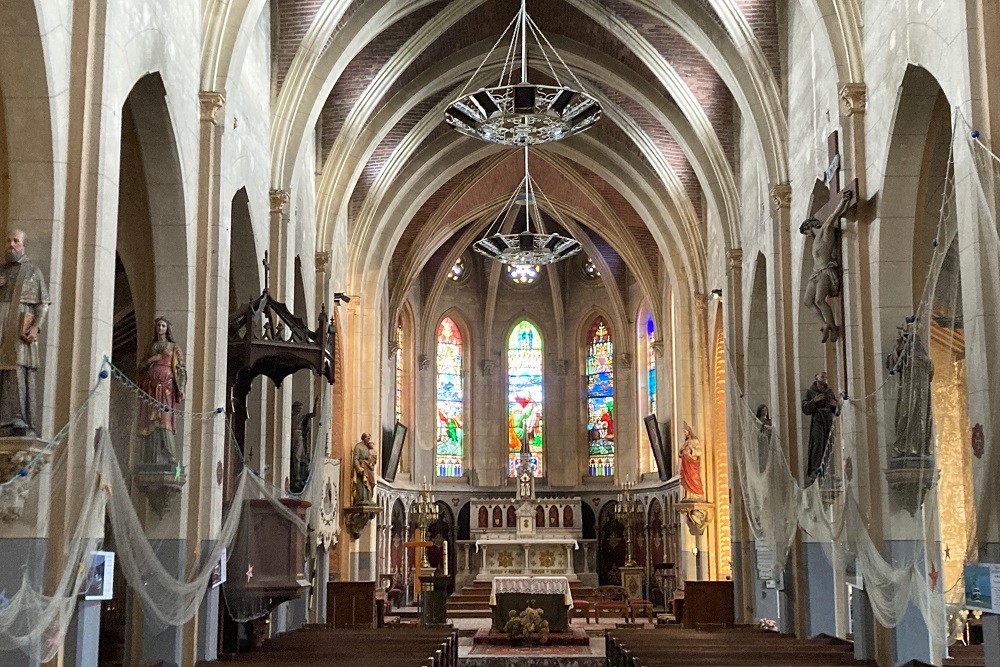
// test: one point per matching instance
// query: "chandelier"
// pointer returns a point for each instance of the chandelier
(523, 114)
(527, 248)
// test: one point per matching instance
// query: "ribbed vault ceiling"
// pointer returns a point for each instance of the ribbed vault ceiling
(370, 78)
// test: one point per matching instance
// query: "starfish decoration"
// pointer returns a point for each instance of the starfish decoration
(177, 473)
(55, 640)
(249, 573)
(933, 575)
(107, 489)
(4, 600)
(947, 552)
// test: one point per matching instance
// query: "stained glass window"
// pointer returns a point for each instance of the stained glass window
(651, 362)
(590, 270)
(399, 370)
(450, 397)
(601, 399)
(523, 274)
(457, 271)
(651, 373)
(524, 395)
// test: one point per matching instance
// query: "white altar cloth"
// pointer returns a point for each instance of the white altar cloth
(532, 586)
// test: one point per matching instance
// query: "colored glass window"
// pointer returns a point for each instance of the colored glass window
(399, 370)
(524, 396)
(450, 400)
(601, 399)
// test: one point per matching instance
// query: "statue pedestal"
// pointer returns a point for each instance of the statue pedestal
(909, 479)
(632, 579)
(698, 513)
(160, 483)
(15, 454)
(358, 517)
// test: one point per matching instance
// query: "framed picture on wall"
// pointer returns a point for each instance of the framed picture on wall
(100, 576)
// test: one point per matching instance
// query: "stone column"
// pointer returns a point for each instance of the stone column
(862, 379)
(786, 392)
(279, 403)
(81, 312)
(743, 572)
(207, 369)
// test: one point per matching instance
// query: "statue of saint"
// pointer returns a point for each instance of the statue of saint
(364, 471)
(691, 464)
(301, 435)
(913, 368)
(763, 415)
(24, 302)
(824, 282)
(822, 405)
(163, 376)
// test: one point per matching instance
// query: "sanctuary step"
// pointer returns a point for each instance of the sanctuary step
(673, 646)
(387, 647)
(473, 601)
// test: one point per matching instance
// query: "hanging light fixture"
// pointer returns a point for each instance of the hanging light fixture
(528, 247)
(523, 114)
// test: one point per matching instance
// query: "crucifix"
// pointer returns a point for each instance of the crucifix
(823, 227)
(267, 271)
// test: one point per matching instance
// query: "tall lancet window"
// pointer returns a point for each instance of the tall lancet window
(450, 400)
(399, 369)
(524, 395)
(601, 399)
(651, 362)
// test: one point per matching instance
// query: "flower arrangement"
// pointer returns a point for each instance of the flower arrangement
(767, 624)
(528, 626)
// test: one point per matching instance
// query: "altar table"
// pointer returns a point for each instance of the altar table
(551, 594)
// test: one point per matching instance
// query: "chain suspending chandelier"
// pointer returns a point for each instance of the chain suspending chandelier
(526, 247)
(523, 114)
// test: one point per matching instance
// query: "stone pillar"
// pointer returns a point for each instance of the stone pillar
(81, 313)
(281, 285)
(786, 390)
(742, 565)
(207, 356)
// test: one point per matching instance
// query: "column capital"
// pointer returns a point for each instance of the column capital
(701, 302)
(279, 200)
(853, 99)
(322, 259)
(781, 196)
(735, 257)
(210, 104)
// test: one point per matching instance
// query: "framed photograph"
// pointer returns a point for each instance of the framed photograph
(100, 576)
(219, 572)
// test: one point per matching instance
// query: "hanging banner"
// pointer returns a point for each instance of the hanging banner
(982, 587)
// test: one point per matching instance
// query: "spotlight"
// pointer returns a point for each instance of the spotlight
(340, 296)
(717, 294)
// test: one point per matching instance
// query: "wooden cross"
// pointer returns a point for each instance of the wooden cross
(831, 181)
(267, 270)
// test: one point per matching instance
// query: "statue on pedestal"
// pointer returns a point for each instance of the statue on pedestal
(24, 303)
(911, 363)
(163, 376)
(822, 405)
(301, 435)
(691, 464)
(364, 472)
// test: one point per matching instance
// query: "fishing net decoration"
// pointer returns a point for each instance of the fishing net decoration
(34, 616)
(777, 505)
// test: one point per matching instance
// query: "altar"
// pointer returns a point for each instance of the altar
(550, 594)
(539, 556)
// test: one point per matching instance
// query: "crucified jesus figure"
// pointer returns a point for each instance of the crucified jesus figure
(824, 282)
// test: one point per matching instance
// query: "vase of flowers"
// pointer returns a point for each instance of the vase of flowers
(528, 627)
(767, 624)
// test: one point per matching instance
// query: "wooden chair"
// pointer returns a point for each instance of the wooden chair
(581, 608)
(610, 599)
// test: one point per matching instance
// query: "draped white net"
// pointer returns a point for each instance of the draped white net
(899, 416)
(110, 511)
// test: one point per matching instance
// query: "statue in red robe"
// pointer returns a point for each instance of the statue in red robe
(691, 465)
